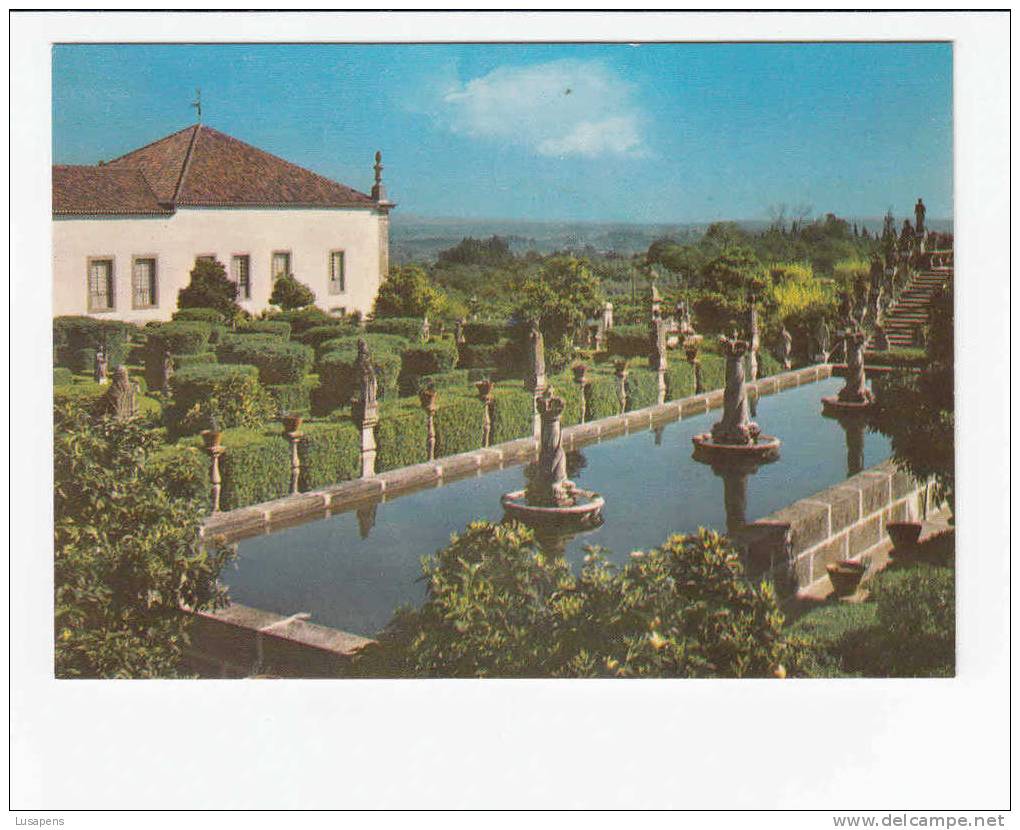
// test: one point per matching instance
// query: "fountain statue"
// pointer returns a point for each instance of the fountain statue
(735, 435)
(550, 496)
(855, 395)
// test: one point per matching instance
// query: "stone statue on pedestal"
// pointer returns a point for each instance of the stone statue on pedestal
(657, 342)
(919, 212)
(364, 371)
(535, 379)
(458, 332)
(549, 485)
(166, 371)
(100, 368)
(425, 329)
(855, 390)
(736, 426)
(822, 338)
(787, 348)
(121, 399)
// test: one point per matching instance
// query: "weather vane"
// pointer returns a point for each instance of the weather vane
(198, 105)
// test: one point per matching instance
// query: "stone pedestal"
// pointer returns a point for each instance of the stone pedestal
(485, 395)
(621, 384)
(428, 404)
(215, 479)
(295, 460)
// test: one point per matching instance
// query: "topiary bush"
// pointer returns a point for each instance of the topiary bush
(278, 362)
(290, 294)
(401, 436)
(375, 342)
(407, 327)
(316, 335)
(425, 359)
(497, 606)
(486, 355)
(458, 424)
(916, 613)
(255, 467)
(303, 319)
(61, 376)
(628, 341)
(210, 288)
(199, 315)
(294, 397)
(330, 452)
(179, 337)
(485, 333)
(77, 338)
(456, 378)
(231, 393)
(513, 412)
(337, 381)
(278, 328)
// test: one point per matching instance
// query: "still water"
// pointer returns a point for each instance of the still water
(352, 570)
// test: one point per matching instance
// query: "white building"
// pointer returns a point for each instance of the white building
(126, 233)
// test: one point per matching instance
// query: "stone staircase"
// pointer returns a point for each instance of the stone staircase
(911, 310)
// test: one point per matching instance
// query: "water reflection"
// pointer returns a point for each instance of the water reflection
(853, 425)
(366, 518)
(734, 472)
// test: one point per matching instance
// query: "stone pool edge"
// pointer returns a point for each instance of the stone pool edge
(266, 517)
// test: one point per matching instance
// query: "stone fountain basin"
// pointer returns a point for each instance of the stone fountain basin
(765, 449)
(517, 508)
(833, 405)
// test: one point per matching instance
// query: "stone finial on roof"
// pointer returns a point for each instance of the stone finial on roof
(379, 189)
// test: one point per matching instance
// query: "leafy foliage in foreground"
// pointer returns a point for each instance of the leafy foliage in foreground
(127, 552)
(498, 606)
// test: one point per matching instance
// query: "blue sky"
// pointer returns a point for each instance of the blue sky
(601, 132)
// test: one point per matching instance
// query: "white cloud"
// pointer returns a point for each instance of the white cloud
(562, 108)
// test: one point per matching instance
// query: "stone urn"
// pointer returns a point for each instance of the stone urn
(904, 536)
(580, 371)
(484, 388)
(846, 576)
(620, 366)
(211, 438)
(291, 422)
(427, 397)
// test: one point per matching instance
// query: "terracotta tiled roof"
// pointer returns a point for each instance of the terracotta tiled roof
(202, 166)
(79, 189)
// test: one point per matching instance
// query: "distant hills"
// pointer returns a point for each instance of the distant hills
(421, 238)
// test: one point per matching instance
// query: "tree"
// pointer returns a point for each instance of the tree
(289, 294)
(210, 288)
(561, 295)
(406, 292)
(127, 550)
(494, 251)
(497, 605)
(734, 273)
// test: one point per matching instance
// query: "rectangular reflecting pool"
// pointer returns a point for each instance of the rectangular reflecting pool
(352, 570)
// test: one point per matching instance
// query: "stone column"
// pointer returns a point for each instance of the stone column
(621, 384)
(295, 460)
(754, 338)
(485, 395)
(691, 351)
(581, 379)
(427, 397)
(535, 380)
(366, 410)
(215, 480)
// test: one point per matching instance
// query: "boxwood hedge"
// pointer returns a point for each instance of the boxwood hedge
(628, 341)
(279, 328)
(401, 436)
(330, 452)
(375, 342)
(316, 335)
(200, 315)
(425, 359)
(232, 393)
(337, 381)
(407, 327)
(485, 333)
(61, 375)
(278, 361)
(303, 319)
(179, 337)
(76, 339)
(294, 397)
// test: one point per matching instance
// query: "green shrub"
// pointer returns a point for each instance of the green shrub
(497, 606)
(486, 355)
(199, 315)
(513, 412)
(330, 453)
(293, 397)
(88, 395)
(401, 436)
(315, 335)
(290, 294)
(77, 338)
(456, 378)
(628, 341)
(425, 359)
(279, 328)
(127, 554)
(303, 319)
(255, 467)
(337, 381)
(61, 376)
(183, 361)
(914, 358)
(375, 342)
(278, 362)
(485, 333)
(458, 423)
(183, 337)
(406, 327)
(603, 400)
(231, 393)
(916, 613)
(210, 288)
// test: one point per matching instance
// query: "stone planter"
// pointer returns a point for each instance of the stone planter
(904, 536)
(846, 576)
(211, 438)
(292, 423)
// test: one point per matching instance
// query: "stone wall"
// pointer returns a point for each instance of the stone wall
(792, 546)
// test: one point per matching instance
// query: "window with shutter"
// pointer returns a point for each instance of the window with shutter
(337, 279)
(240, 272)
(143, 283)
(100, 280)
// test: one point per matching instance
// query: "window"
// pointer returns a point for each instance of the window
(100, 285)
(281, 264)
(143, 283)
(337, 283)
(240, 272)
(205, 258)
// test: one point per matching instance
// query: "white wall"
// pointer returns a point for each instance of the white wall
(175, 241)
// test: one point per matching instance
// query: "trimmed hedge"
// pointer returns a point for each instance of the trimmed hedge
(76, 339)
(232, 392)
(401, 435)
(179, 337)
(375, 342)
(255, 467)
(316, 335)
(154, 364)
(459, 421)
(294, 397)
(183, 361)
(89, 394)
(487, 333)
(330, 453)
(199, 315)
(486, 355)
(513, 415)
(303, 319)
(425, 359)
(62, 376)
(407, 327)
(278, 362)
(915, 358)
(628, 341)
(464, 378)
(279, 328)
(338, 384)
